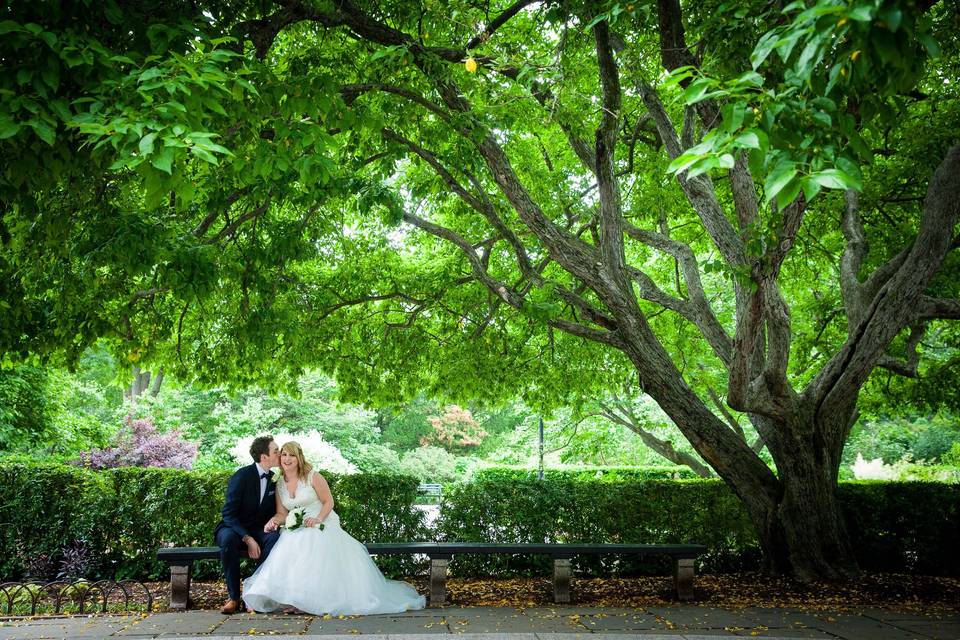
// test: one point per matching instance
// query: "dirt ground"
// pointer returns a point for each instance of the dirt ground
(888, 591)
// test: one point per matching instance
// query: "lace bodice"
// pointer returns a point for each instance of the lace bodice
(305, 496)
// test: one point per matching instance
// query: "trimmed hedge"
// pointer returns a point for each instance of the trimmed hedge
(909, 527)
(571, 510)
(893, 526)
(590, 474)
(125, 515)
(44, 508)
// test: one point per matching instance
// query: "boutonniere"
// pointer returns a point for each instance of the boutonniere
(277, 474)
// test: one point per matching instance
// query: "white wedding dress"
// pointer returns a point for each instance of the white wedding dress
(323, 571)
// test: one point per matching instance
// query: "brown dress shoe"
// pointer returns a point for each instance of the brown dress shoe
(231, 607)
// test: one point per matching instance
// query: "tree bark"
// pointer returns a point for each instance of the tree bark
(157, 381)
(807, 537)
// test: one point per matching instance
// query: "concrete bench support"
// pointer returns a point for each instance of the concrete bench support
(180, 560)
(683, 578)
(561, 580)
(179, 586)
(438, 581)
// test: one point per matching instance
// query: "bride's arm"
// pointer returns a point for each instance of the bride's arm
(323, 493)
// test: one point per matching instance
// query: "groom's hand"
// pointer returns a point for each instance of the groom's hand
(253, 549)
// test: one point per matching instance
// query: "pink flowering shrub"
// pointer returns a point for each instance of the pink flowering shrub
(455, 428)
(138, 444)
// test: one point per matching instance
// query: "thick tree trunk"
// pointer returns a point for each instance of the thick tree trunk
(796, 513)
(802, 533)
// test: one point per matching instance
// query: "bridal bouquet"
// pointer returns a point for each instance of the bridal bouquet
(295, 518)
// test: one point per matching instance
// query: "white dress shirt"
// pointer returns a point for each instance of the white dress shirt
(263, 481)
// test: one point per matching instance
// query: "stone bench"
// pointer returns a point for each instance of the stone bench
(180, 560)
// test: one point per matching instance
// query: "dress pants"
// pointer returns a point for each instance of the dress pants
(231, 545)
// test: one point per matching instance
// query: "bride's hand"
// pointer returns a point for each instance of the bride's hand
(311, 522)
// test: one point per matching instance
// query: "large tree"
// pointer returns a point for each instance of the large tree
(747, 208)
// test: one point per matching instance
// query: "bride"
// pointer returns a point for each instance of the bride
(319, 568)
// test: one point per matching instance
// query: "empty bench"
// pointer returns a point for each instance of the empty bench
(180, 560)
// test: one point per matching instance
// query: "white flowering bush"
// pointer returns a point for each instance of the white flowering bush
(904, 470)
(873, 469)
(318, 452)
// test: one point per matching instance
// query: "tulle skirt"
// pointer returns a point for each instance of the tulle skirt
(325, 571)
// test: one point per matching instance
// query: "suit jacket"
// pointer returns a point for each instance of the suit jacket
(243, 510)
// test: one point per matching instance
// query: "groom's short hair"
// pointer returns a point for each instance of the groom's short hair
(260, 447)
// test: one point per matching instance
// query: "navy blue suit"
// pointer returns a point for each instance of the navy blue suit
(244, 514)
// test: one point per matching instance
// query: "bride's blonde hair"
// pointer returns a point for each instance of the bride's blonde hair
(303, 467)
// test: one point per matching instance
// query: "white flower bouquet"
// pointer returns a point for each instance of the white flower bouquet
(295, 518)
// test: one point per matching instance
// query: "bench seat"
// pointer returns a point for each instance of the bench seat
(440, 553)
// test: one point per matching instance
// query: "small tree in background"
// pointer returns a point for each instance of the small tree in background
(139, 444)
(456, 428)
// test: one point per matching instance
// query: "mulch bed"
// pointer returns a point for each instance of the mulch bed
(878, 590)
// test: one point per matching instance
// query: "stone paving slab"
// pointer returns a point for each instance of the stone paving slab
(246, 624)
(64, 627)
(934, 630)
(182, 623)
(685, 622)
(381, 625)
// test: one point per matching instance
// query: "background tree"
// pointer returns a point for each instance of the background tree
(455, 428)
(219, 189)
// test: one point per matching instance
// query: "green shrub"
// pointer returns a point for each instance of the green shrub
(903, 526)
(46, 507)
(158, 507)
(569, 509)
(952, 457)
(935, 441)
(603, 474)
(127, 514)
(429, 464)
(907, 527)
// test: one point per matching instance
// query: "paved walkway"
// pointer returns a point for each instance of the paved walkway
(500, 623)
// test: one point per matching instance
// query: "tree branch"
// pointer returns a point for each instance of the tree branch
(697, 309)
(231, 228)
(498, 288)
(895, 304)
(351, 92)
(611, 218)
(485, 207)
(699, 190)
(498, 22)
(930, 308)
(665, 448)
(906, 367)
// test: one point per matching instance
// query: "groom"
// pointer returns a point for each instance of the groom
(250, 503)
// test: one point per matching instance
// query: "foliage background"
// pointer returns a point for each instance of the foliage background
(122, 516)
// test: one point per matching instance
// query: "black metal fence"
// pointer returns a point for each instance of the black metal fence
(74, 597)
